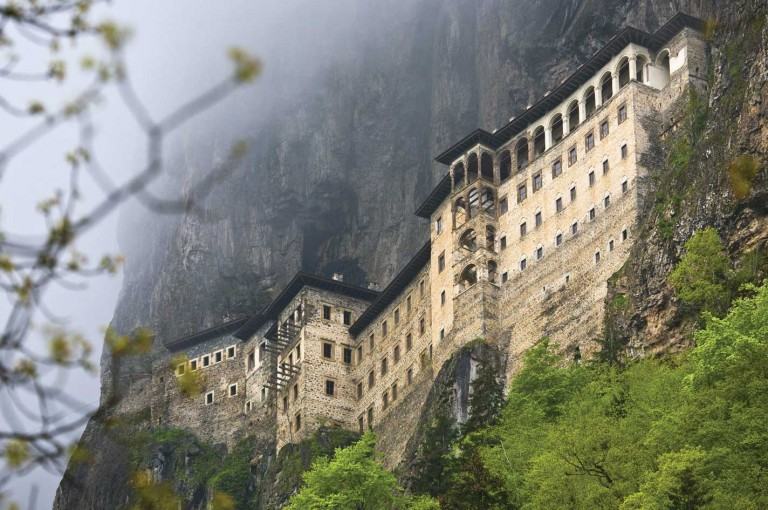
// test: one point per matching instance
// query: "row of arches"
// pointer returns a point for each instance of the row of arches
(469, 241)
(475, 201)
(470, 274)
(560, 124)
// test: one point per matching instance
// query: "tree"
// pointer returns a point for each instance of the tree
(354, 480)
(487, 396)
(28, 266)
(701, 277)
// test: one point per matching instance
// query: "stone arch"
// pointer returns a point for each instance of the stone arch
(606, 86)
(460, 216)
(521, 151)
(539, 142)
(662, 62)
(468, 240)
(573, 114)
(472, 168)
(468, 276)
(458, 176)
(486, 167)
(640, 73)
(590, 103)
(505, 166)
(622, 69)
(556, 125)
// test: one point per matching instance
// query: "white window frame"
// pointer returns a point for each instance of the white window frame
(213, 398)
(234, 347)
(229, 390)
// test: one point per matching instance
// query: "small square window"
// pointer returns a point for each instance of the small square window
(574, 228)
(206, 360)
(557, 168)
(441, 262)
(522, 193)
(326, 312)
(347, 317)
(539, 253)
(503, 205)
(559, 204)
(218, 356)
(538, 219)
(193, 365)
(606, 167)
(592, 214)
(233, 390)
(442, 297)
(347, 355)
(624, 187)
(504, 277)
(604, 129)
(327, 350)
(523, 229)
(523, 264)
(589, 142)
(330, 387)
(572, 156)
(558, 239)
(624, 151)
(209, 398)
(231, 352)
(538, 182)
(503, 242)
(573, 193)
(591, 179)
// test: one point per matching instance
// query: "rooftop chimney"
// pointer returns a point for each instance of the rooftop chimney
(339, 277)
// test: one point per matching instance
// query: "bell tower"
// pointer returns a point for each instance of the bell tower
(474, 206)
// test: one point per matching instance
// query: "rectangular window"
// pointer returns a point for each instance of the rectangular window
(394, 392)
(597, 257)
(573, 193)
(251, 360)
(206, 360)
(539, 253)
(624, 151)
(218, 356)
(384, 366)
(604, 129)
(359, 390)
(538, 182)
(559, 204)
(231, 352)
(538, 220)
(523, 264)
(606, 202)
(592, 213)
(408, 342)
(575, 228)
(371, 343)
(347, 317)
(384, 329)
(330, 387)
(360, 354)
(180, 369)
(503, 205)
(263, 394)
(327, 350)
(439, 225)
(396, 354)
(441, 262)
(285, 404)
(371, 379)
(557, 168)
(503, 242)
(209, 398)
(361, 424)
(442, 334)
(522, 193)
(504, 277)
(422, 326)
(523, 229)
(558, 239)
(442, 298)
(385, 400)
(606, 167)
(572, 158)
(295, 392)
(326, 312)
(591, 179)
(409, 375)
(370, 418)
(408, 304)
(298, 351)
(347, 355)
(589, 142)
(193, 364)
(421, 288)
(298, 422)
(610, 245)
(624, 187)
(624, 234)
(622, 113)
(397, 316)
(233, 390)
(423, 359)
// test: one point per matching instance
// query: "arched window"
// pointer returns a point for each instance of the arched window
(505, 166)
(472, 167)
(468, 240)
(492, 271)
(624, 72)
(458, 176)
(459, 212)
(487, 201)
(662, 61)
(490, 238)
(573, 115)
(474, 202)
(486, 167)
(642, 62)
(521, 151)
(606, 87)
(468, 277)
(589, 101)
(538, 141)
(557, 128)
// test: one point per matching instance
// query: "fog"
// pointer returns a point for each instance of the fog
(178, 50)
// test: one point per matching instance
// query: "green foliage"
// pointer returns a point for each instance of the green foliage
(430, 463)
(233, 480)
(487, 395)
(354, 480)
(701, 277)
(741, 172)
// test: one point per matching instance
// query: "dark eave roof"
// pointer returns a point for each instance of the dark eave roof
(207, 334)
(583, 74)
(298, 282)
(395, 287)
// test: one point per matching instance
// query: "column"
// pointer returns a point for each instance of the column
(583, 109)
(566, 125)
(615, 83)
(632, 67)
(598, 96)
(547, 137)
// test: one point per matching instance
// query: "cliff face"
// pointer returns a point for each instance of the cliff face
(331, 183)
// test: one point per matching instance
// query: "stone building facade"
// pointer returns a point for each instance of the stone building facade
(525, 229)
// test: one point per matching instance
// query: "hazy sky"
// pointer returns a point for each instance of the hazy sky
(178, 50)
